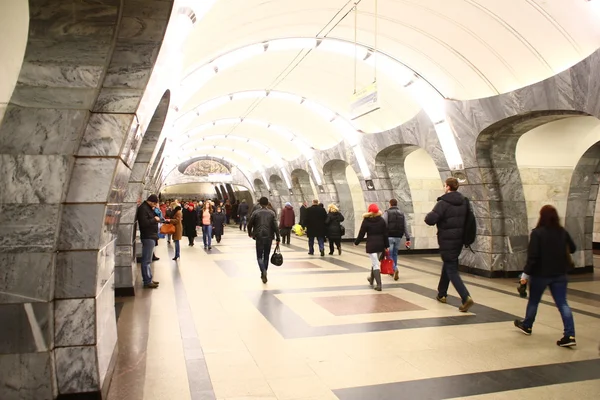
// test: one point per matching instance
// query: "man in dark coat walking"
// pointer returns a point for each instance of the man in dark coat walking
(450, 214)
(314, 223)
(148, 224)
(242, 214)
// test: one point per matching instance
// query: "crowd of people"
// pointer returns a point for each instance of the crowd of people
(549, 252)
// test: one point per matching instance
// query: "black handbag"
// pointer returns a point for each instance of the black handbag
(342, 229)
(277, 258)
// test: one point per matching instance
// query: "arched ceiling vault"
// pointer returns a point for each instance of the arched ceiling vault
(463, 49)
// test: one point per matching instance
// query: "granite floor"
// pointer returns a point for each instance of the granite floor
(317, 331)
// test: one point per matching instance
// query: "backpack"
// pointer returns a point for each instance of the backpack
(470, 231)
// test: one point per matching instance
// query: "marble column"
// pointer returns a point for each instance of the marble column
(127, 248)
(65, 171)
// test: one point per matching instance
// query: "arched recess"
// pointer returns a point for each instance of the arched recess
(416, 182)
(261, 188)
(558, 164)
(231, 192)
(156, 166)
(14, 19)
(279, 192)
(218, 192)
(141, 182)
(344, 189)
(502, 205)
(302, 186)
(69, 138)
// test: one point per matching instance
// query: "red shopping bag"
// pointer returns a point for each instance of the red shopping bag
(386, 264)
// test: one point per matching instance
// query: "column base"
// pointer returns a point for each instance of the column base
(125, 292)
(514, 274)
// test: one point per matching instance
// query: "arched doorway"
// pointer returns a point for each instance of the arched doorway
(261, 189)
(347, 194)
(513, 193)
(416, 183)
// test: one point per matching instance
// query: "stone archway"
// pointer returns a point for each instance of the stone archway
(279, 192)
(261, 188)
(498, 200)
(415, 181)
(302, 186)
(344, 189)
(72, 133)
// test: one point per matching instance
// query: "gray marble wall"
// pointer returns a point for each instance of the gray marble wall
(66, 170)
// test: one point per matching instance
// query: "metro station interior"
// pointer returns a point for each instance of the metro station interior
(347, 102)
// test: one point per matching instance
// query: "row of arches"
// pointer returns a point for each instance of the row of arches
(524, 162)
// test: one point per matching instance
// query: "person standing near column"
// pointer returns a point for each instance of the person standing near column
(373, 226)
(397, 227)
(450, 214)
(176, 219)
(262, 227)
(314, 224)
(190, 221)
(148, 225)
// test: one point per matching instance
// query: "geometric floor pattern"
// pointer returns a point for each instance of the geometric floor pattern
(316, 330)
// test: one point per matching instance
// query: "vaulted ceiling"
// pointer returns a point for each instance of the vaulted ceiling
(281, 73)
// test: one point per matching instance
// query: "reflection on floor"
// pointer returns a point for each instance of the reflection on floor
(317, 331)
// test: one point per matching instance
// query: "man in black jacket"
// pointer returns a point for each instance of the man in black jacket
(397, 227)
(242, 214)
(148, 225)
(262, 227)
(314, 223)
(450, 214)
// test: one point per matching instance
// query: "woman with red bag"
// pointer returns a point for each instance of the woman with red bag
(375, 228)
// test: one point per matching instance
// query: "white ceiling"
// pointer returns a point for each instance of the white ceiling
(464, 48)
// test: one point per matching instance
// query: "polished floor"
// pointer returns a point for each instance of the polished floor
(317, 331)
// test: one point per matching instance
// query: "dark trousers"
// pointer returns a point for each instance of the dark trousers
(286, 233)
(263, 252)
(191, 240)
(558, 288)
(218, 237)
(450, 274)
(336, 241)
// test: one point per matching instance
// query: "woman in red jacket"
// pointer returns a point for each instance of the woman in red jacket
(287, 221)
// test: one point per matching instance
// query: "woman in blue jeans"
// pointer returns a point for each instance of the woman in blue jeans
(548, 260)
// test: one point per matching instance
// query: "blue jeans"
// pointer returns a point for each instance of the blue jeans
(311, 244)
(450, 274)
(558, 288)
(147, 250)
(243, 221)
(177, 249)
(207, 235)
(394, 247)
(263, 252)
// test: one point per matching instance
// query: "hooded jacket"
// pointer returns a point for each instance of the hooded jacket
(287, 218)
(449, 215)
(146, 222)
(218, 219)
(375, 228)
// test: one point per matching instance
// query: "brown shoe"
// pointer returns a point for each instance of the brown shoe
(151, 285)
(466, 305)
(396, 277)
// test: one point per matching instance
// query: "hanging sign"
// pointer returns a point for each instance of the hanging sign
(364, 101)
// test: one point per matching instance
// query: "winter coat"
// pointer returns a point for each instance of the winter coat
(218, 220)
(234, 210)
(396, 223)
(303, 210)
(287, 218)
(375, 228)
(547, 252)
(314, 222)
(228, 209)
(190, 221)
(176, 219)
(146, 221)
(333, 222)
(449, 214)
(262, 225)
(242, 210)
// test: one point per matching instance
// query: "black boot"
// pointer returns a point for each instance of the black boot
(377, 274)
(339, 250)
(371, 277)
